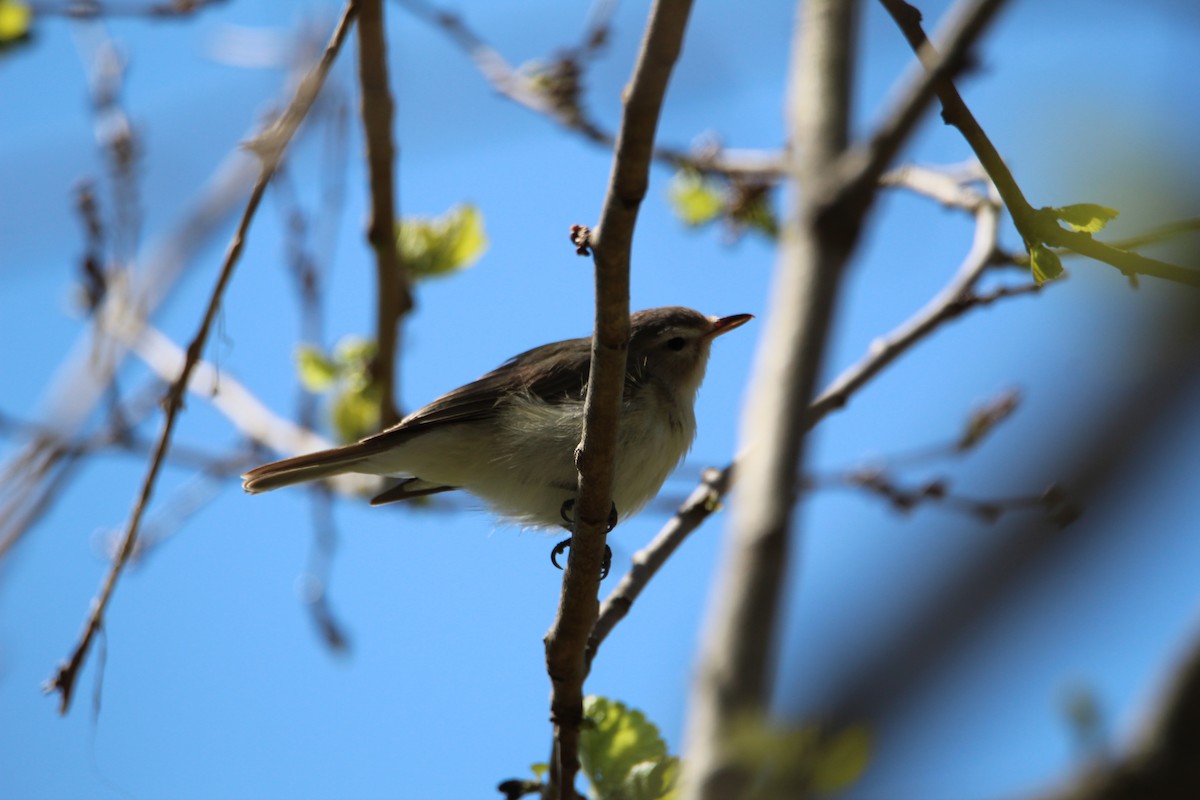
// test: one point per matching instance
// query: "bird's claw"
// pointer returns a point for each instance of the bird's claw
(569, 523)
(565, 544)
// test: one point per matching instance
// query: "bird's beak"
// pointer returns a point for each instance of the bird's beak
(726, 324)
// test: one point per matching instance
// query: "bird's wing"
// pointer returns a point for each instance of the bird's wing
(549, 372)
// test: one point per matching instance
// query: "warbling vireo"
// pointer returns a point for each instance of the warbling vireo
(509, 438)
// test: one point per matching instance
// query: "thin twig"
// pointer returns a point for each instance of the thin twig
(941, 185)
(863, 165)
(957, 297)
(950, 302)
(92, 9)
(393, 295)
(82, 381)
(1036, 226)
(703, 501)
(565, 108)
(270, 147)
(611, 244)
(240, 406)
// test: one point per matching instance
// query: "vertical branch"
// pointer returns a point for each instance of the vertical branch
(612, 242)
(735, 671)
(393, 294)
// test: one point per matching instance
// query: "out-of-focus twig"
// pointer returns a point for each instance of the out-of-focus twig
(93, 9)
(270, 147)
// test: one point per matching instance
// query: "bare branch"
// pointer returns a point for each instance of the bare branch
(735, 664)
(92, 9)
(737, 657)
(611, 245)
(703, 501)
(956, 298)
(393, 296)
(940, 185)
(865, 164)
(242, 408)
(270, 146)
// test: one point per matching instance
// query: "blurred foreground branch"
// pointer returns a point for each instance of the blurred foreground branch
(818, 239)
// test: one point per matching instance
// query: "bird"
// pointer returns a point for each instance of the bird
(509, 438)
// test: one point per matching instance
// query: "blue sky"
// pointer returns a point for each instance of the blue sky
(215, 683)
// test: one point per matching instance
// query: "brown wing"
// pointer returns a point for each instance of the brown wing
(549, 372)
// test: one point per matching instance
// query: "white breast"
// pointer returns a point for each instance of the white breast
(522, 462)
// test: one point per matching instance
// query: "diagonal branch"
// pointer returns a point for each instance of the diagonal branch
(1036, 226)
(270, 147)
(955, 299)
(863, 165)
(595, 457)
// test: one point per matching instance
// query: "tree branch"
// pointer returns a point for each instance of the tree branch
(950, 302)
(269, 146)
(611, 244)
(393, 294)
(1036, 226)
(734, 672)
(1162, 762)
(955, 299)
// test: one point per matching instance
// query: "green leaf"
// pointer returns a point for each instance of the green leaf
(353, 353)
(1045, 263)
(355, 413)
(540, 770)
(842, 760)
(432, 246)
(317, 372)
(695, 199)
(759, 216)
(798, 761)
(623, 754)
(15, 19)
(1085, 217)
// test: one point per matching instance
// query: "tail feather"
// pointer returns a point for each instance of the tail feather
(308, 467)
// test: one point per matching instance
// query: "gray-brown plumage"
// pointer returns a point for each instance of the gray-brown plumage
(509, 437)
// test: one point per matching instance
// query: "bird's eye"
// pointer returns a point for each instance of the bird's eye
(677, 343)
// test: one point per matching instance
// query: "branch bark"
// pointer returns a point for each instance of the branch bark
(611, 243)
(735, 673)
(393, 294)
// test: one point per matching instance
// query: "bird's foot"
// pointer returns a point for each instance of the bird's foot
(569, 520)
(568, 516)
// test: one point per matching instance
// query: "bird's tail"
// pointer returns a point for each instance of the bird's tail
(308, 467)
